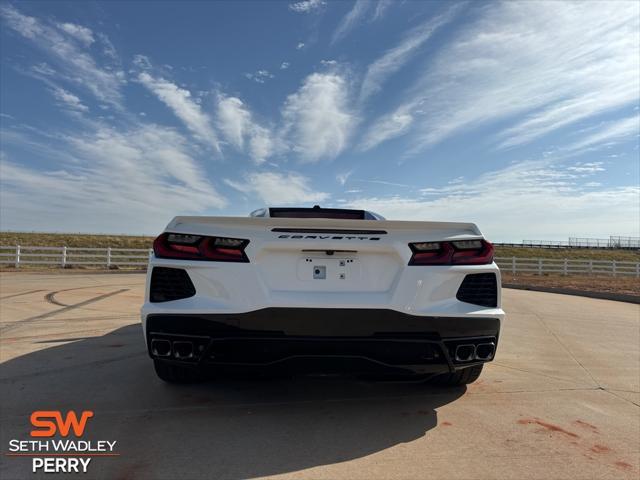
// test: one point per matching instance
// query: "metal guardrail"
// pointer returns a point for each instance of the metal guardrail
(18, 255)
(624, 243)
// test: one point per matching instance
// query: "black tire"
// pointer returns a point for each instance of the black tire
(460, 377)
(177, 373)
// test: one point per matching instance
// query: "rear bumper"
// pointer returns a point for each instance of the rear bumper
(321, 339)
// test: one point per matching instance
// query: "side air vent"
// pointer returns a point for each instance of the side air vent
(170, 284)
(479, 289)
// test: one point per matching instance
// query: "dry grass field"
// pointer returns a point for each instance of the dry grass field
(74, 240)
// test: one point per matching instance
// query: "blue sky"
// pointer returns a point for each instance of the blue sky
(522, 117)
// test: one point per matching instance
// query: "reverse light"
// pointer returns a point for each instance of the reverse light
(198, 247)
(460, 252)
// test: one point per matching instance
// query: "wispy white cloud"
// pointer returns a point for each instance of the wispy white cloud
(607, 134)
(351, 19)
(317, 118)
(357, 14)
(278, 188)
(26, 26)
(382, 182)
(300, 45)
(108, 49)
(555, 63)
(381, 8)
(180, 101)
(342, 177)
(43, 69)
(389, 126)
(260, 76)
(395, 58)
(118, 182)
(236, 123)
(142, 62)
(587, 167)
(284, 65)
(80, 33)
(526, 200)
(307, 6)
(68, 100)
(72, 62)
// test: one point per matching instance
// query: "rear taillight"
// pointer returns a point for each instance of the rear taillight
(461, 252)
(198, 247)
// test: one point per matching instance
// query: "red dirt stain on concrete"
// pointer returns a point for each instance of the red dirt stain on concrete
(547, 426)
(446, 424)
(623, 465)
(581, 423)
(600, 448)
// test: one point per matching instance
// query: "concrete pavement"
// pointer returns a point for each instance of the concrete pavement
(561, 400)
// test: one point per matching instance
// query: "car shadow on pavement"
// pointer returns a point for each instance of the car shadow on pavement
(229, 428)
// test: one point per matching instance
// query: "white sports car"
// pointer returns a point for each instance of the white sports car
(321, 289)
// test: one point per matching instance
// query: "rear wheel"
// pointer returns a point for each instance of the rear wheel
(177, 373)
(459, 377)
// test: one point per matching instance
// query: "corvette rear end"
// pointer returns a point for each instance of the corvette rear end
(321, 290)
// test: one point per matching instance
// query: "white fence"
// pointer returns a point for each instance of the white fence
(74, 256)
(138, 257)
(564, 266)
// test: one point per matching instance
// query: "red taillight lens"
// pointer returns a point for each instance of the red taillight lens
(196, 247)
(472, 252)
(463, 252)
(431, 253)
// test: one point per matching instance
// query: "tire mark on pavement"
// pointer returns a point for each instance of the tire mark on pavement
(50, 297)
(19, 294)
(21, 323)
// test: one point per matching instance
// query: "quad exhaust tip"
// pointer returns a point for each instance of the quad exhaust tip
(465, 352)
(482, 351)
(183, 350)
(485, 351)
(161, 348)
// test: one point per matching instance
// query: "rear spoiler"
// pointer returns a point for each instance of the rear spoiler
(189, 224)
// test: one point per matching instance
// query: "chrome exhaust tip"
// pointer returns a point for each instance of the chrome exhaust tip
(160, 347)
(465, 352)
(485, 351)
(183, 350)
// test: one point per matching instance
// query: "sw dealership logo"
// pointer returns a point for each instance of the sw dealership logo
(60, 455)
